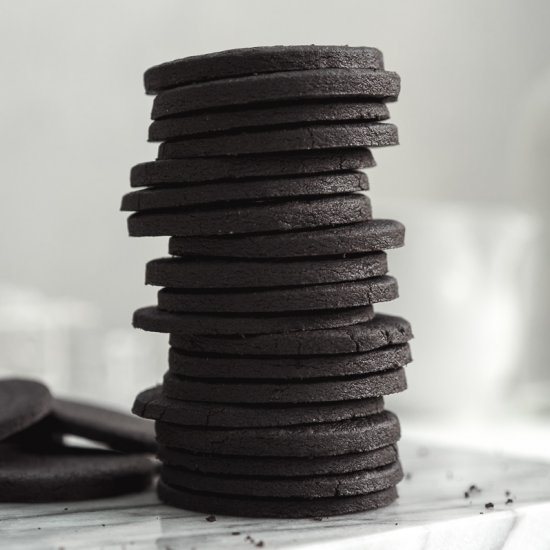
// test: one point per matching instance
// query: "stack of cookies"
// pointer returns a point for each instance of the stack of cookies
(278, 364)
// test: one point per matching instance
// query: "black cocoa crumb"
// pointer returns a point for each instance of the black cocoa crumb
(509, 501)
(489, 505)
(260, 544)
(235, 532)
(210, 518)
(474, 489)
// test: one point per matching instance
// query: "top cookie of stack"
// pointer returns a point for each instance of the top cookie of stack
(276, 264)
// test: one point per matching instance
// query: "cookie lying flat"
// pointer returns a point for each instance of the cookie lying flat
(211, 503)
(333, 485)
(278, 87)
(277, 466)
(261, 116)
(206, 273)
(154, 320)
(23, 403)
(249, 166)
(280, 215)
(152, 404)
(245, 191)
(117, 430)
(285, 367)
(315, 390)
(314, 297)
(59, 473)
(324, 439)
(250, 61)
(301, 138)
(329, 241)
(383, 330)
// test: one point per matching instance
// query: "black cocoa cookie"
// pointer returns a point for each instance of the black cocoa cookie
(288, 367)
(333, 485)
(206, 273)
(278, 466)
(265, 117)
(280, 215)
(328, 241)
(153, 405)
(311, 440)
(23, 403)
(299, 138)
(58, 473)
(154, 320)
(244, 191)
(251, 61)
(249, 166)
(293, 86)
(301, 298)
(383, 330)
(117, 430)
(211, 503)
(311, 390)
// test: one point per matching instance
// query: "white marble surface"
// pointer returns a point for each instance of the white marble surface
(432, 513)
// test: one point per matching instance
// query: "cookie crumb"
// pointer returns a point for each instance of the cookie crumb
(507, 493)
(210, 518)
(474, 489)
(489, 505)
(260, 544)
(509, 501)
(466, 494)
(317, 519)
(235, 532)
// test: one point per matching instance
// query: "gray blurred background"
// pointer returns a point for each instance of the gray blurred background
(469, 180)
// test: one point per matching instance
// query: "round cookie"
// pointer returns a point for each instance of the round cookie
(203, 273)
(260, 60)
(327, 241)
(249, 166)
(244, 191)
(274, 140)
(310, 440)
(153, 405)
(263, 117)
(382, 330)
(284, 215)
(278, 87)
(303, 298)
(315, 390)
(23, 404)
(211, 503)
(154, 320)
(277, 466)
(119, 431)
(58, 473)
(288, 367)
(352, 483)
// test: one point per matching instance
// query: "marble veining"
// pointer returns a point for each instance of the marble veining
(432, 513)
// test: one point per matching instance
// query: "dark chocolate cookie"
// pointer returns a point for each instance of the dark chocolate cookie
(314, 486)
(311, 390)
(249, 166)
(23, 403)
(383, 330)
(299, 138)
(279, 215)
(152, 404)
(234, 273)
(324, 439)
(211, 503)
(278, 87)
(154, 320)
(243, 191)
(261, 60)
(117, 430)
(328, 241)
(285, 367)
(265, 117)
(302, 298)
(278, 466)
(58, 473)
